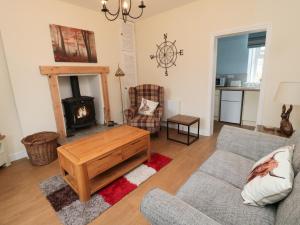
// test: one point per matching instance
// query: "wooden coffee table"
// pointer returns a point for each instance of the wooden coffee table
(186, 121)
(93, 162)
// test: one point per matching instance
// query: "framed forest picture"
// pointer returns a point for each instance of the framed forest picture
(73, 45)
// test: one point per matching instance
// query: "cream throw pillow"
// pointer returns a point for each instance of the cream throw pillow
(147, 107)
(271, 178)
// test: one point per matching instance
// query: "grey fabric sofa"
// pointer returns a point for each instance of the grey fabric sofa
(212, 195)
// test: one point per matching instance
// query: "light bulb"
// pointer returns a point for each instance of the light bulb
(125, 5)
(104, 2)
(142, 5)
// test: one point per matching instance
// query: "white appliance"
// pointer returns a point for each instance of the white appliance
(231, 106)
(236, 83)
(220, 81)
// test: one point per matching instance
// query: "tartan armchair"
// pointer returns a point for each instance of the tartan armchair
(150, 92)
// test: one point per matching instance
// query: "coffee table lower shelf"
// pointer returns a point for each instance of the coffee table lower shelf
(110, 175)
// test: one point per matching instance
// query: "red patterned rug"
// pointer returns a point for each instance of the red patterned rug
(72, 212)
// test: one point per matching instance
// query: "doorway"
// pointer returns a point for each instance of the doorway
(237, 77)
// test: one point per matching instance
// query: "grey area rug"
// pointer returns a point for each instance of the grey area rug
(73, 212)
(67, 205)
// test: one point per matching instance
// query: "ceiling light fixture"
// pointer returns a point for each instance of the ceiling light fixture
(124, 8)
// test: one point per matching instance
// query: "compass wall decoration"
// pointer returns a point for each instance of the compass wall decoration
(166, 54)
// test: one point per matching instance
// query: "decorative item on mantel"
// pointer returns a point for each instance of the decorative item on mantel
(124, 8)
(166, 54)
(287, 93)
(119, 74)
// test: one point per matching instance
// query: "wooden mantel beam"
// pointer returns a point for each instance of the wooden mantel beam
(54, 71)
(62, 70)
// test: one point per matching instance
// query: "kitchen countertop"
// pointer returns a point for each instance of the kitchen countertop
(238, 88)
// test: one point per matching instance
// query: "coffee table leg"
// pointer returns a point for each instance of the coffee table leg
(167, 129)
(83, 183)
(62, 170)
(198, 129)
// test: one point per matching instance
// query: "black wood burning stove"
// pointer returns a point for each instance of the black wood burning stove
(79, 110)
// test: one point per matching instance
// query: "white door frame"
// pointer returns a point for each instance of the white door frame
(213, 67)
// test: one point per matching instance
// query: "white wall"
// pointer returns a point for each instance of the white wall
(27, 43)
(9, 121)
(233, 55)
(194, 25)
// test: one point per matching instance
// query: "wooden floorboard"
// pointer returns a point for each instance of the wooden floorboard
(21, 201)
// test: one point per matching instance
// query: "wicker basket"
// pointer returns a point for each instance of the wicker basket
(41, 147)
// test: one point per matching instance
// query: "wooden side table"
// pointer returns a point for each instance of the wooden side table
(4, 159)
(184, 120)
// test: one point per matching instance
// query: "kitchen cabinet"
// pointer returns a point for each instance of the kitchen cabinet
(217, 104)
(248, 109)
(251, 99)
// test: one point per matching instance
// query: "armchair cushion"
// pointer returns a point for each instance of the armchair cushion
(145, 121)
(147, 107)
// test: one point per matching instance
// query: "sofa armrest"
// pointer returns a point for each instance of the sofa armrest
(250, 144)
(161, 208)
(159, 112)
(130, 113)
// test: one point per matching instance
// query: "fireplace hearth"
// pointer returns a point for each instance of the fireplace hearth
(79, 110)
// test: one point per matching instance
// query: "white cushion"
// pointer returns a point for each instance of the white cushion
(147, 107)
(270, 179)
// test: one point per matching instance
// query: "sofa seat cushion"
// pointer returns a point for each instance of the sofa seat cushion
(288, 211)
(223, 202)
(229, 167)
(295, 140)
(145, 121)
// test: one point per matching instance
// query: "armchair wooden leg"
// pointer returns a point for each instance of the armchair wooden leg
(156, 134)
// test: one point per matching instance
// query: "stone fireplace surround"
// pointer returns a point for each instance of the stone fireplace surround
(54, 72)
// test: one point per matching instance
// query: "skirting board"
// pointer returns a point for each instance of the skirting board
(18, 155)
(249, 123)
